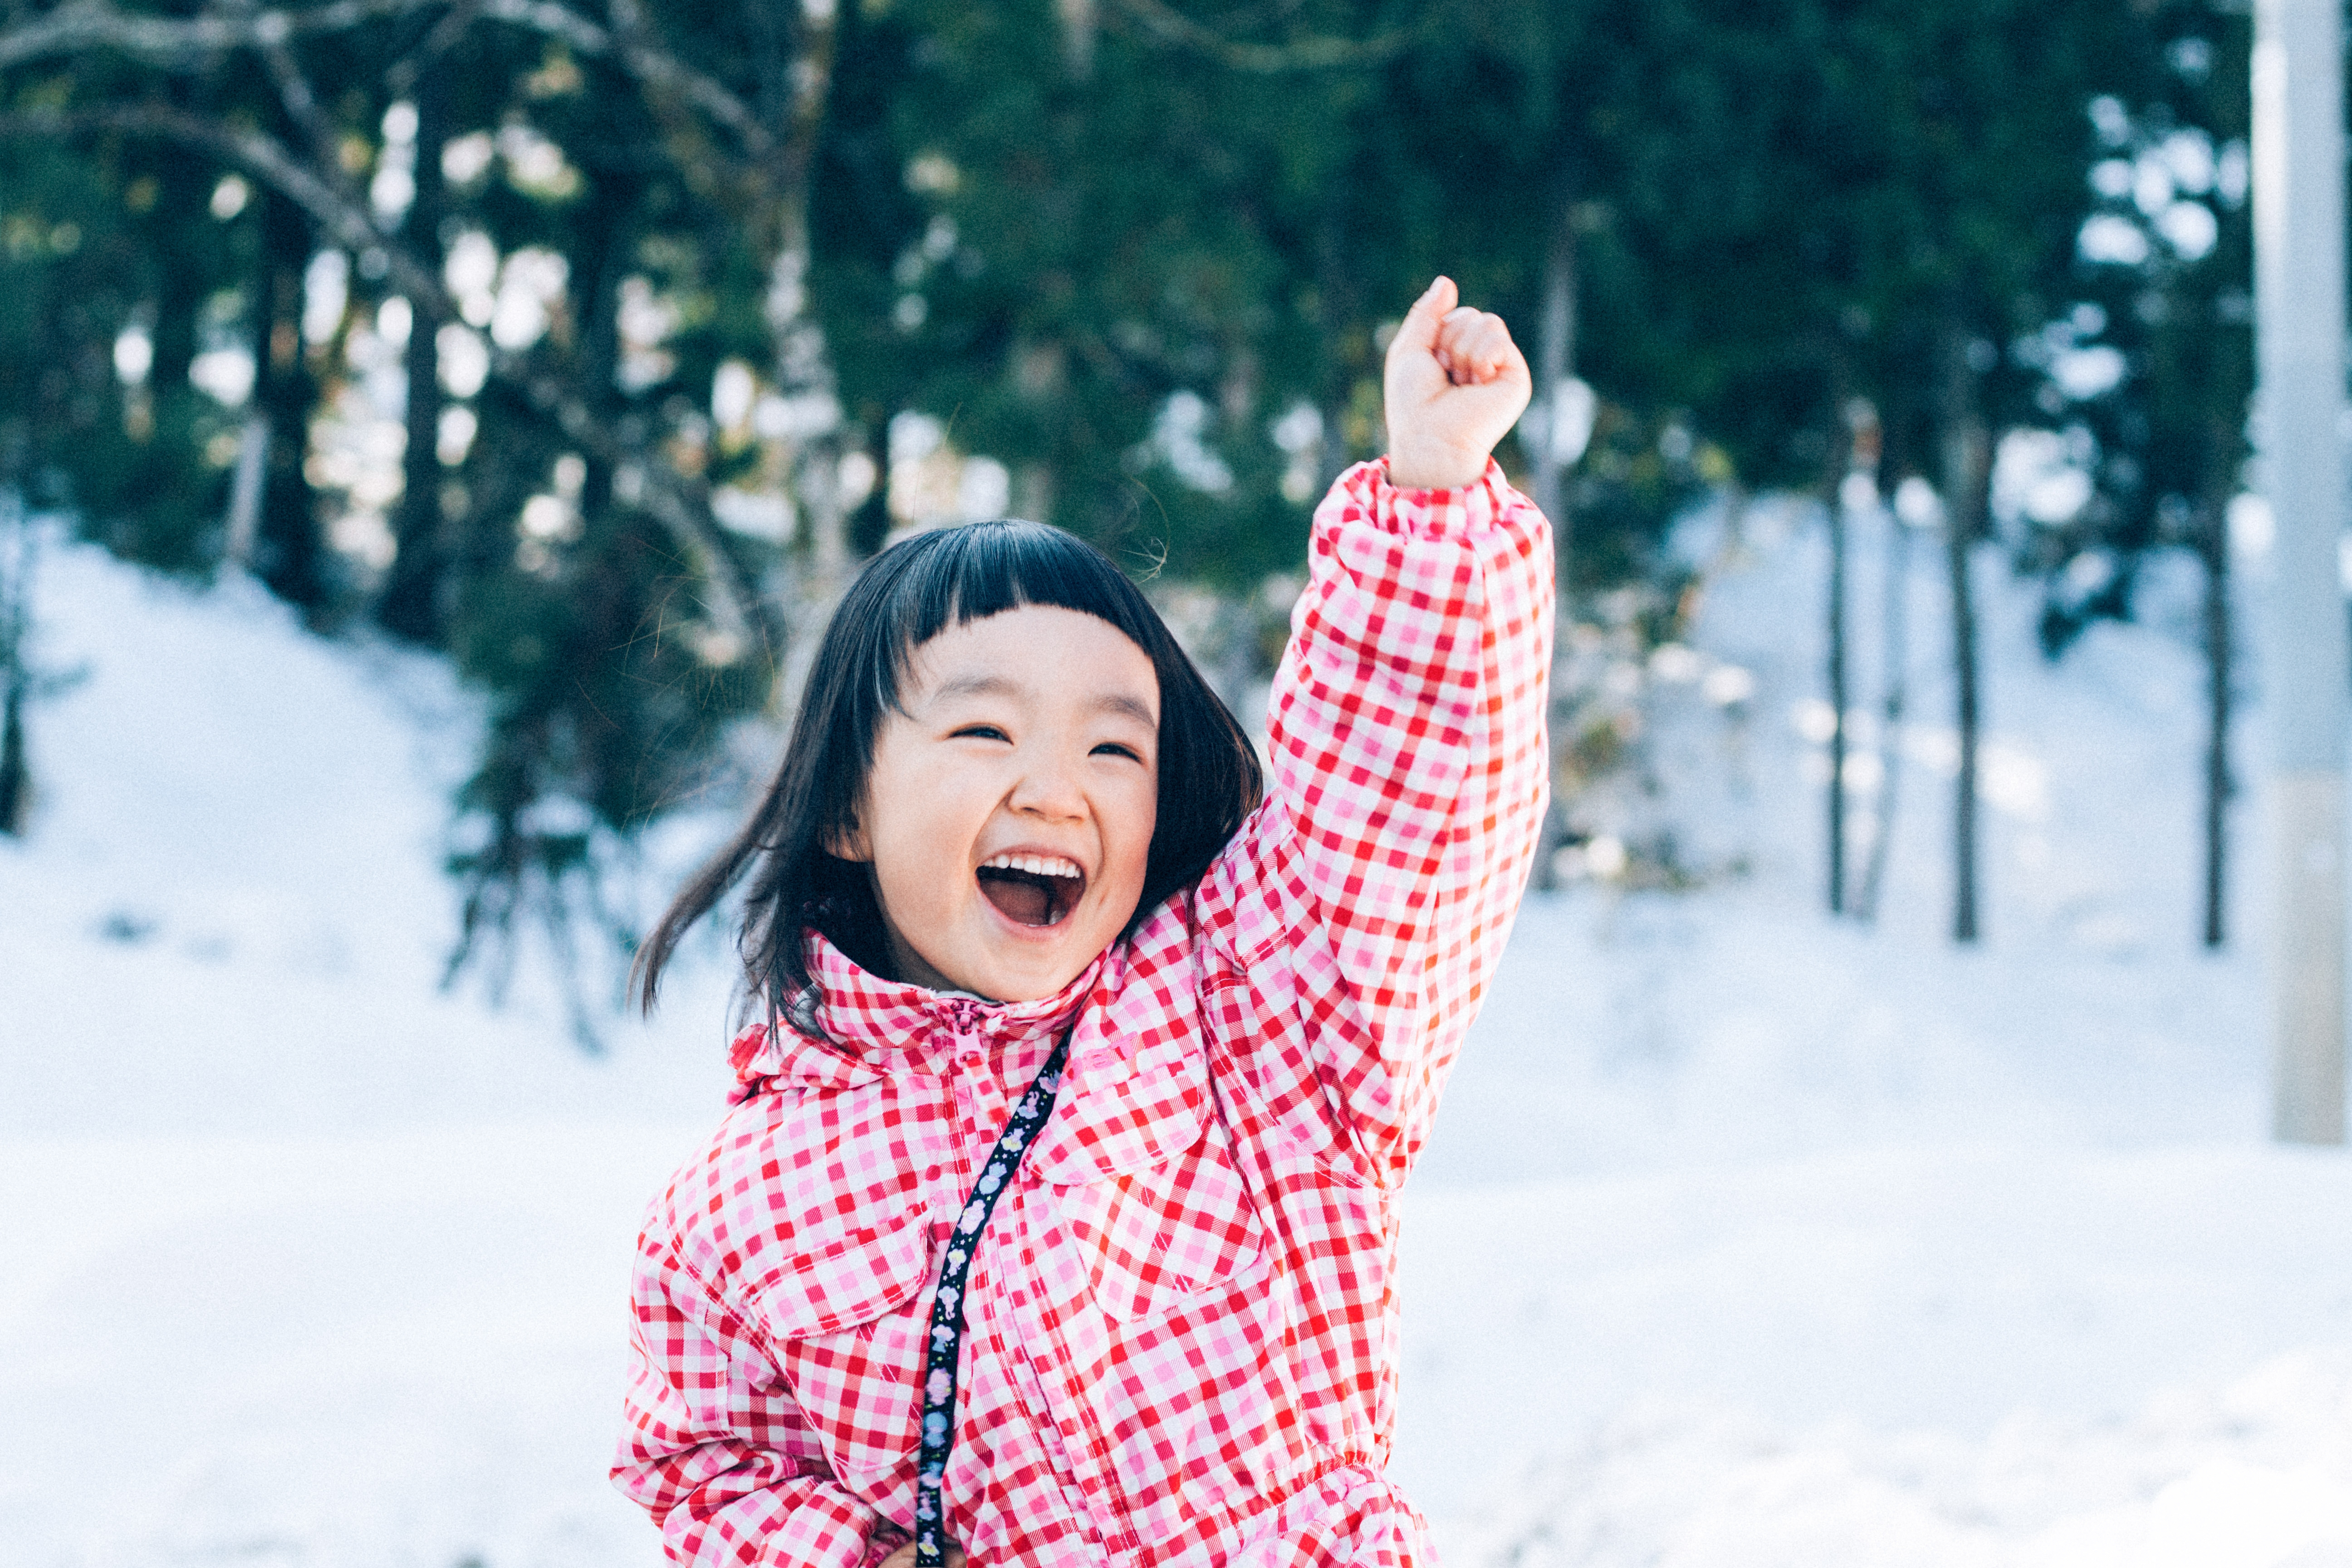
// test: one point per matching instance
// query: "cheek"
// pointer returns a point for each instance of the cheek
(920, 810)
(1139, 814)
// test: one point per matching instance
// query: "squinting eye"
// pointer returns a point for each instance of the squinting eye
(1115, 750)
(983, 731)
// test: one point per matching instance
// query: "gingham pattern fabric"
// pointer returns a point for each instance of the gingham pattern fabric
(1182, 1340)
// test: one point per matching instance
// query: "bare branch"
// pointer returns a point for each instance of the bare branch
(402, 77)
(656, 67)
(337, 212)
(676, 502)
(552, 20)
(302, 108)
(706, 168)
(682, 504)
(190, 43)
(183, 42)
(301, 103)
(1165, 24)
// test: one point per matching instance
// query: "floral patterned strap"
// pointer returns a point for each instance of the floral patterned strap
(947, 1308)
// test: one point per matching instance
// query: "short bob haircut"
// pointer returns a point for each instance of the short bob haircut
(1209, 778)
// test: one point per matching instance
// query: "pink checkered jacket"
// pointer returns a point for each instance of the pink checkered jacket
(1182, 1320)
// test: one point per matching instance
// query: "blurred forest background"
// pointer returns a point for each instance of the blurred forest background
(594, 344)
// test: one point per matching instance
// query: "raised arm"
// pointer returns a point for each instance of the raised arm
(1409, 766)
(715, 1447)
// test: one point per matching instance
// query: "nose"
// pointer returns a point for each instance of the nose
(1050, 788)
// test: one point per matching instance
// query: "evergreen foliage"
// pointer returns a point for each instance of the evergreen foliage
(677, 295)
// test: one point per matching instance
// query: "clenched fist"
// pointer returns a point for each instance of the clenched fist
(1454, 381)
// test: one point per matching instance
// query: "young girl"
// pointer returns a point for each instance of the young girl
(1055, 1220)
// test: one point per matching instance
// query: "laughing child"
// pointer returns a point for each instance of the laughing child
(1055, 1221)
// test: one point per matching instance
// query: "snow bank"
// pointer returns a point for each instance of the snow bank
(1880, 1291)
(374, 1350)
(2257, 1474)
(229, 913)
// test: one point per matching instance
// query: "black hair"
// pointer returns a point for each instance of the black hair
(1209, 779)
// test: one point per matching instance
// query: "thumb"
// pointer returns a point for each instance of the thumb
(1418, 330)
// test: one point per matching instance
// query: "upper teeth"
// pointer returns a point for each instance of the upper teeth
(1036, 865)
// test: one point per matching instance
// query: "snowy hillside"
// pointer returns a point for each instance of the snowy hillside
(1745, 1239)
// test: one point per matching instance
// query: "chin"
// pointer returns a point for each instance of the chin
(1031, 978)
(1025, 963)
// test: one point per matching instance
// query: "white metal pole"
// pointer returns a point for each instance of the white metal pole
(2299, 280)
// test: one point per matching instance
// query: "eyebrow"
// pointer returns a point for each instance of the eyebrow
(998, 686)
(1120, 702)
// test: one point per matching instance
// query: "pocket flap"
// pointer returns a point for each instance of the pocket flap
(1156, 1238)
(1136, 1095)
(851, 1278)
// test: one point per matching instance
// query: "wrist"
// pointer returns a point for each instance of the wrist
(1433, 467)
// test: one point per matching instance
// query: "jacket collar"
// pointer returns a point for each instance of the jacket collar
(1135, 1089)
(868, 1028)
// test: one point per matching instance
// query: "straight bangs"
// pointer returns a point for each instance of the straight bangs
(1209, 779)
(985, 569)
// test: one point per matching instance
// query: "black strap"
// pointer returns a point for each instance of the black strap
(939, 1391)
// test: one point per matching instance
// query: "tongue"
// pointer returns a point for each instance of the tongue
(1023, 897)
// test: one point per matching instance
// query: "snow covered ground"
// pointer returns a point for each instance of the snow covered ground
(1745, 1239)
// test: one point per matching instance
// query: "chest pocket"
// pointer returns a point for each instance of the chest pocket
(847, 1318)
(1166, 1237)
(1141, 1170)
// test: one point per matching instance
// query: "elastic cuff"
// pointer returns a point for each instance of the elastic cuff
(1454, 511)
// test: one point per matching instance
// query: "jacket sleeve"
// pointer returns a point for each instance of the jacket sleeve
(716, 1448)
(1408, 773)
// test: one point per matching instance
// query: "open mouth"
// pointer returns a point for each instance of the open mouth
(1033, 890)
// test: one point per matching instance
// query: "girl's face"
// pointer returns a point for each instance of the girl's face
(1009, 814)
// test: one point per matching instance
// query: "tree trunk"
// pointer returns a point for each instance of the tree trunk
(15, 778)
(188, 180)
(605, 230)
(1896, 658)
(1869, 462)
(244, 490)
(1555, 361)
(1968, 474)
(412, 604)
(801, 78)
(16, 670)
(2218, 656)
(1078, 25)
(1341, 303)
(287, 554)
(869, 525)
(1833, 482)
